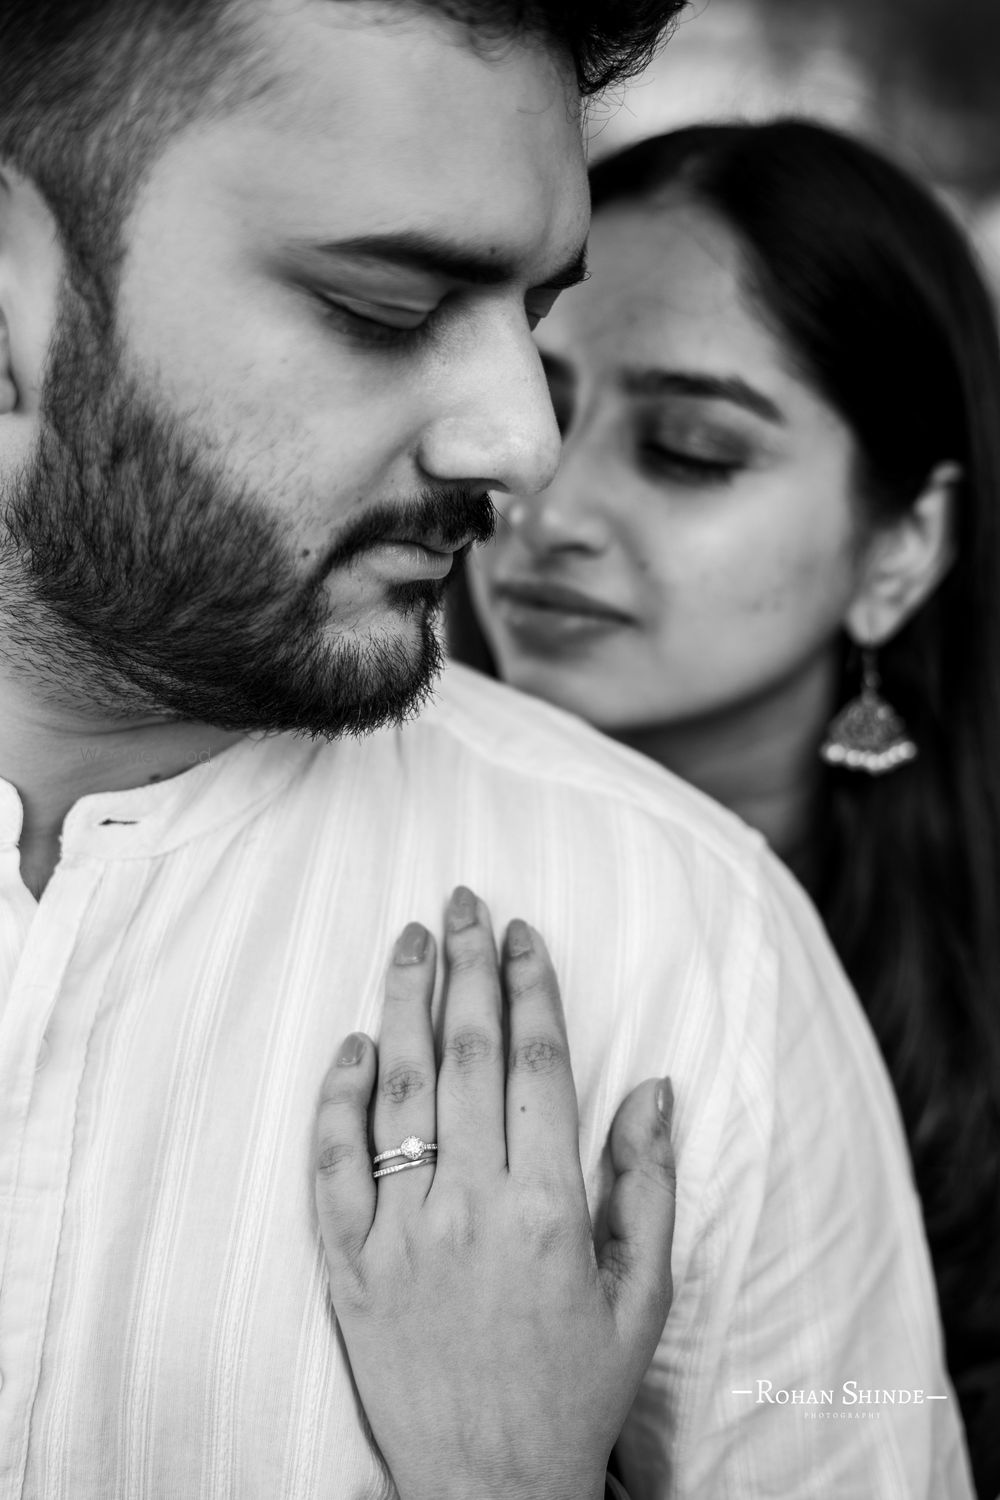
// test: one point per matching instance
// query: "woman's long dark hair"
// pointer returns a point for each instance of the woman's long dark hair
(877, 295)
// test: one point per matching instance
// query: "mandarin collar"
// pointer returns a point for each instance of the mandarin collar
(153, 819)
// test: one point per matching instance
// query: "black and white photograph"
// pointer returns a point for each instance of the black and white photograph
(499, 750)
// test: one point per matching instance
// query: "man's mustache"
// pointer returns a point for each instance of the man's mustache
(445, 517)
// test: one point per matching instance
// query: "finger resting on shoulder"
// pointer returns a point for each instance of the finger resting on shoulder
(470, 1079)
(542, 1114)
(405, 1114)
(641, 1207)
(640, 1137)
(634, 1260)
(345, 1193)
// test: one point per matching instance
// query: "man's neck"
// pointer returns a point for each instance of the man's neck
(54, 756)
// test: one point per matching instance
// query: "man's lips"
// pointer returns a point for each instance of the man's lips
(400, 557)
(431, 542)
(558, 598)
(395, 554)
(400, 561)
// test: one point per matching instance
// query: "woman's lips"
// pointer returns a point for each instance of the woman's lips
(558, 597)
(547, 614)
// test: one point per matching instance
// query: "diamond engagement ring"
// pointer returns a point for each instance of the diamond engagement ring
(416, 1153)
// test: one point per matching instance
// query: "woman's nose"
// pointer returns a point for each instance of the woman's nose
(567, 516)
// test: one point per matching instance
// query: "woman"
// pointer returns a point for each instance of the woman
(771, 561)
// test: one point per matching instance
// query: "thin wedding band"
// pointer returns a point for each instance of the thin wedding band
(404, 1166)
(413, 1148)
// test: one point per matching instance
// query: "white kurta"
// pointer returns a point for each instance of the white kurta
(168, 1010)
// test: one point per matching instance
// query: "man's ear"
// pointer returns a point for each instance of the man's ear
(8, 388)
(8, 385)
(906, 560)
(31, 271)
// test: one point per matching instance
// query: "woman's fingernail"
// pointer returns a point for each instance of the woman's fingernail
(665, 1101)
(351, 1051)
(519, 939)
(411, 945)
(463, 909)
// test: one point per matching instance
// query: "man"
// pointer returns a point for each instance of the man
(268, 273)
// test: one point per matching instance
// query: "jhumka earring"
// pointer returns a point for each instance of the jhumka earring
(868, 734)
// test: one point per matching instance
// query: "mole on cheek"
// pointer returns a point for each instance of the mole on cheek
(770, 602)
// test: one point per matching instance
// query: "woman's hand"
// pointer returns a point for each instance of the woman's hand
(496, 1351)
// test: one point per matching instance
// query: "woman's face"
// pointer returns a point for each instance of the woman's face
(700, 544)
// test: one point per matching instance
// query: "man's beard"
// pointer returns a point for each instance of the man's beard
(139, 577)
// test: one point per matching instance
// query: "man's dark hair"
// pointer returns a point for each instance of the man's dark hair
(90, 89)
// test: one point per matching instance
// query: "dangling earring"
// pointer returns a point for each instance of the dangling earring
(868, 734)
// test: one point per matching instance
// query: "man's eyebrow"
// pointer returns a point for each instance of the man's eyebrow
(455, 262)
(714, 387)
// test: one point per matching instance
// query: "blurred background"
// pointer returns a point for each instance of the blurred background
(919, 77)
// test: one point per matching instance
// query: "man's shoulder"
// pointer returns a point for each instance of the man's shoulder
(507, 734)
(485, 768)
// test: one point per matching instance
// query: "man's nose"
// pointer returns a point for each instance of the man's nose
(491, 421)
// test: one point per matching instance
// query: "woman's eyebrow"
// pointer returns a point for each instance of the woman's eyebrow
(733, 388)
(456, 261)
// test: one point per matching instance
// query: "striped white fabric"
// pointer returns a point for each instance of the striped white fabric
(169, 1009)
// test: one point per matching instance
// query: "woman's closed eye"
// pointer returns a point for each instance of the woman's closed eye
(693, 451)
(689, 466)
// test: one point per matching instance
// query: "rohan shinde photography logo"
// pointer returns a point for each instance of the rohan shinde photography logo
(852, 1398)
